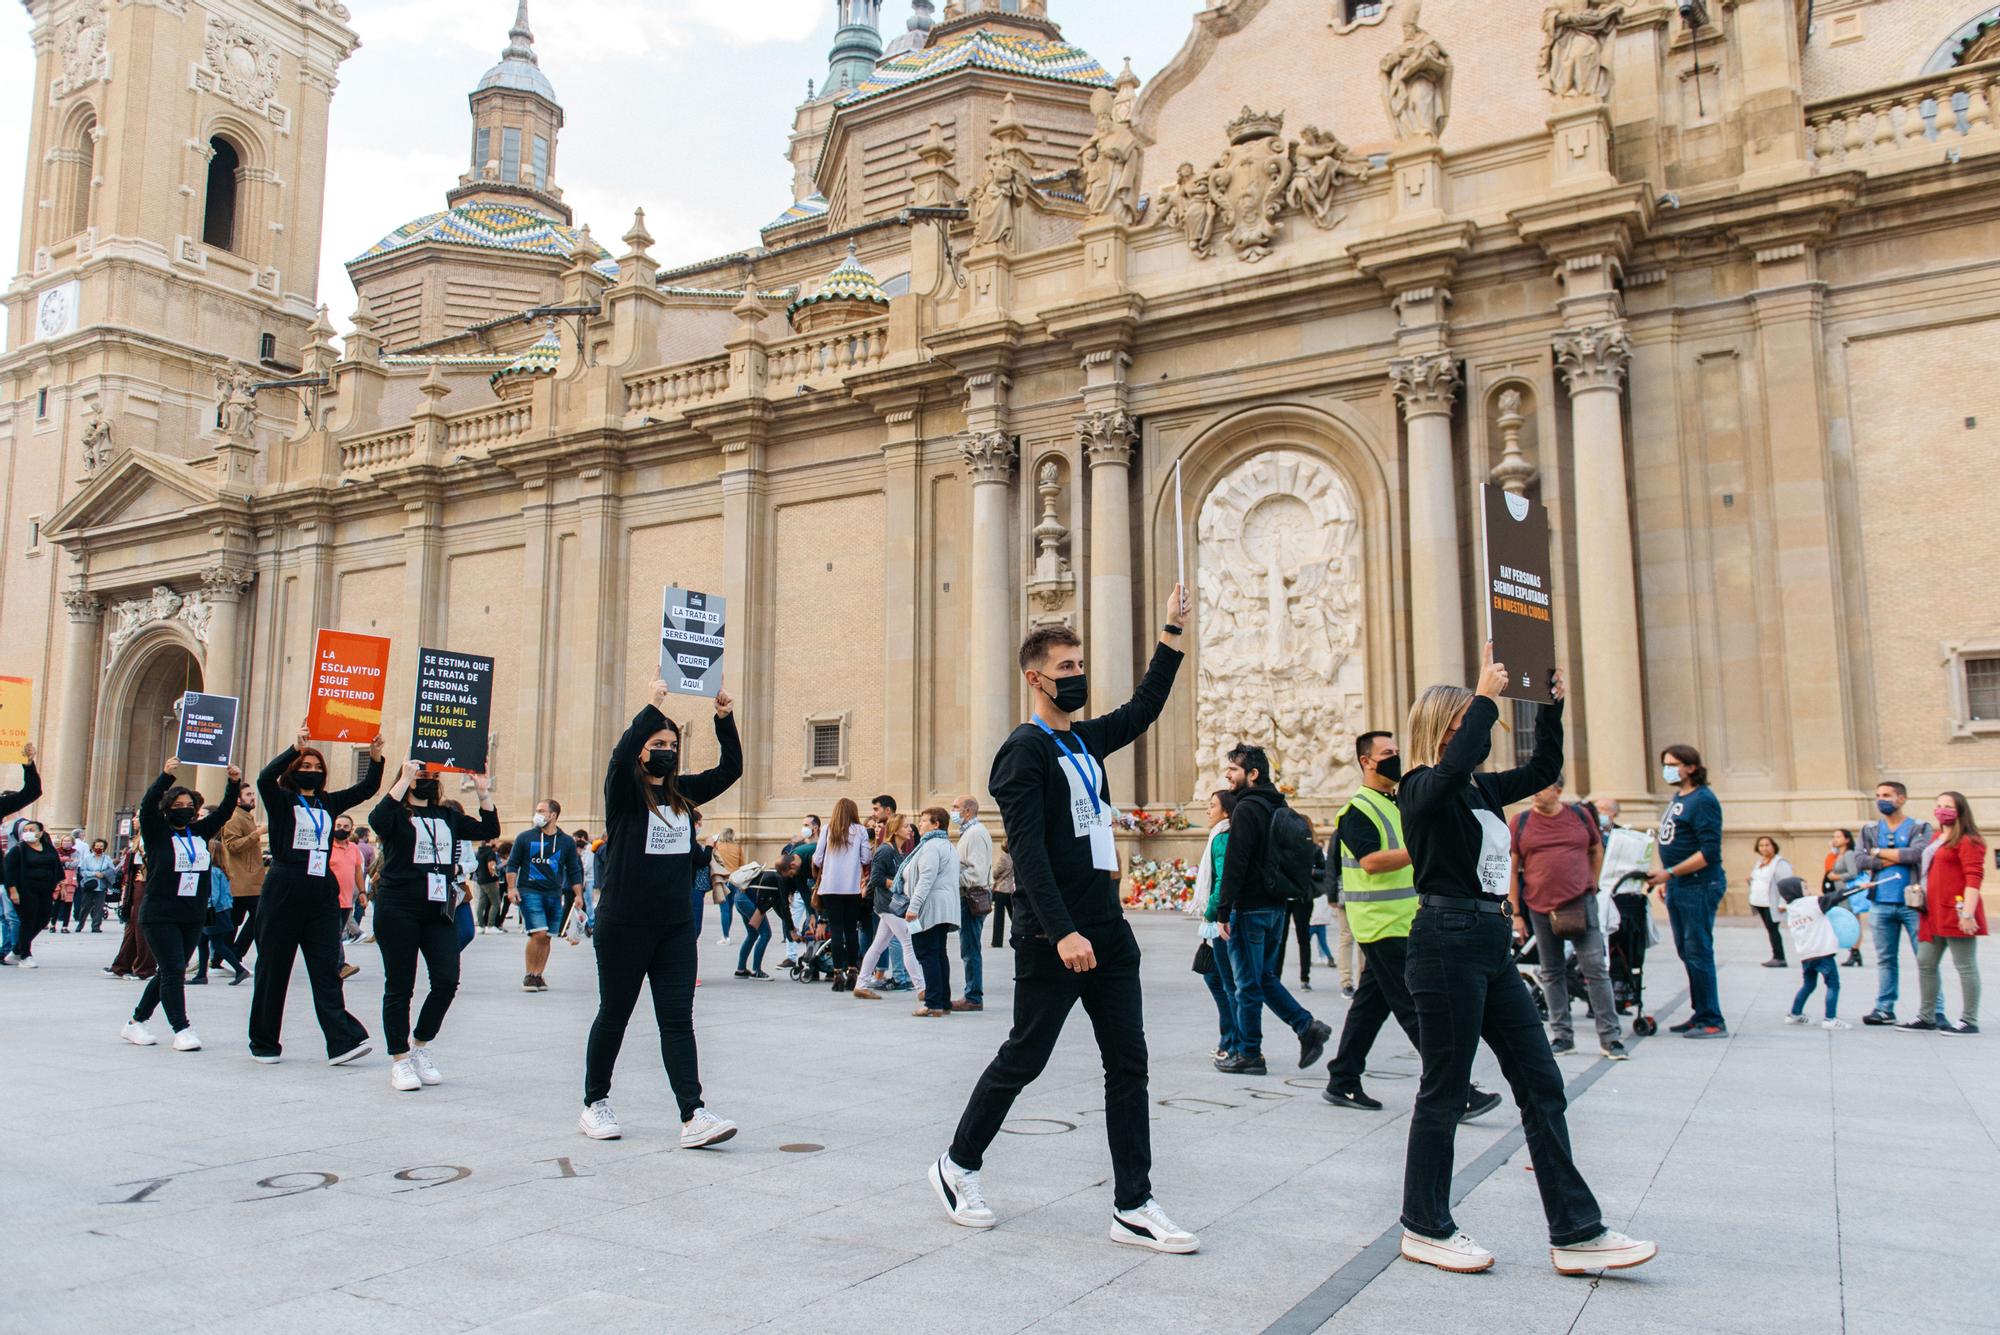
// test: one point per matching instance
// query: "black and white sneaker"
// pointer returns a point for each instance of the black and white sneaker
(1478, 1104)
(1351, 1096)
(958, 1191)
(352, 1054)
(1148, 1226)
(1562, 1047)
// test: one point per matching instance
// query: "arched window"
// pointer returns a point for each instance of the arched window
(218, 219)
(83, 167)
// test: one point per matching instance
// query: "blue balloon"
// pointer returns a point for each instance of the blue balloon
(1846, 927)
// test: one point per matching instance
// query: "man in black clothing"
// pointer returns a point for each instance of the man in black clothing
(1071, 941)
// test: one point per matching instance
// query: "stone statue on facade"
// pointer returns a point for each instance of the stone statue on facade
(1416, 82)
(133, 615)
(96, 440)
(1321, 162)
(1250, 181)
(1190, 205)
(1113, 158)
(236, 402)
(1576, 48)
(1000, 200)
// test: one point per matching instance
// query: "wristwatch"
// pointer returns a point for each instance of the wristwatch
(1171, 629)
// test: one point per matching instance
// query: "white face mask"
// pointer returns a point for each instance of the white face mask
(541, 820)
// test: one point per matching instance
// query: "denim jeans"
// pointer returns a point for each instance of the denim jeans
(10, 924)
(751, 956)
(1818, 970)
(1593, 962)
(1691, 905)
(1892, 923)
(1462, 978)
(971, 954)
(1255, 938)
(894, 964)
(1222, 986)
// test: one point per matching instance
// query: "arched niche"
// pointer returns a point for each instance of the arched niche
(136, 718)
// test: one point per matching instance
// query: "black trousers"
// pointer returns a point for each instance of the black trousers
(1302, 913)
(629, 955)
(243, 912)
(844, 915)
(1001, 903)
(217, 946)
(1774, 929)
(59, 911)
(171, 943)
(929, 945)
(1044, 993)
(1462, 978)
(34, 912)
(299, 916)
(403, 931)
(90, 909)
(1383, 992)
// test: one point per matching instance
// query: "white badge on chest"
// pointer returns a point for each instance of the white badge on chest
(667, 831)
(1089, 814)
(190, 860)
(1496, 854)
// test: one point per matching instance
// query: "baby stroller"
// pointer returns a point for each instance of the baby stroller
(815, 959)
(1626, 959)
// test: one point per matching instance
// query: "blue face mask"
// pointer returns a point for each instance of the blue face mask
(1885, 806)
(1671, 773)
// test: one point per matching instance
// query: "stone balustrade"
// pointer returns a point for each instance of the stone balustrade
(673, 388)
(489, 426)
(1942, 110)
(384, 447)
(829, 353)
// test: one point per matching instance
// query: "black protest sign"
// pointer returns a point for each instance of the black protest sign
(208, 730)
(1517, 592)
(691, 642)
(454, 705)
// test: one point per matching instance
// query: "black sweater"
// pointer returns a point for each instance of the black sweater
(654, 890)
(24, 797)
(34, 872)
(1439, 801)
(167, 903)
(882, 873)
(405, 880)
(1244, 884)
(281, 813)
(1057, 891)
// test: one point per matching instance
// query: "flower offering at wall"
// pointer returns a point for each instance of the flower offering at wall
(1162, 884)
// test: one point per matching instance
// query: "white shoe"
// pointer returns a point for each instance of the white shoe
(1606, 1251)
(187, 1040)
(28, 963)
(1148, 1226)
(137, 1034)
(263, 1060)
(705, 1129)
(1835, 1024)
(427, 1070)
(599, 1122)
(1457, 1253)
(352, 1054)
(403, 1076)
(1795, 1019)
(958, 1189)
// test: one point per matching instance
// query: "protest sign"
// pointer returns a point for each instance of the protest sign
(17, 700)
(208, 730)
(350, 673)
(691, 642)
(454, 707)
(1517, 592)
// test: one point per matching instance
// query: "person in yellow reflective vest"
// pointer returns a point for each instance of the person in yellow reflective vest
(1378, 892)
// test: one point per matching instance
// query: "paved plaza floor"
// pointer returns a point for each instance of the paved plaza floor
(1796, 1180)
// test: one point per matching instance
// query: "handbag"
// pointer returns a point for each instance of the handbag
(978, 901)
(1572, 920)
(1204, 958)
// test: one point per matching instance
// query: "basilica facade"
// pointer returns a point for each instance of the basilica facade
(1715, 282)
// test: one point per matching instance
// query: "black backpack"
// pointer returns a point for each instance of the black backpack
(1288, 856)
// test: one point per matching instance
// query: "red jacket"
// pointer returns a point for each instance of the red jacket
(1957, 870)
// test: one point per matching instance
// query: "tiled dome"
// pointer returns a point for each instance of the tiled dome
(488, 226)
(1005, 52)
(849, 281)
(540, 359)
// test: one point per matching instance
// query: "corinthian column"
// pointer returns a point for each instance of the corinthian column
(989, 463)
(1107, 444)
(79, 702)
(1593, 360)
(223, 585)
(1426, 385)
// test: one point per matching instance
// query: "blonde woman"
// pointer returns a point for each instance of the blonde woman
(841, 853)
(1463, 980)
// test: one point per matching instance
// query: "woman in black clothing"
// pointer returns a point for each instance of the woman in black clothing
(1462, 978)
(645, 919)
(176, 839)
(415, 904)
(300, 909)
(33, 871)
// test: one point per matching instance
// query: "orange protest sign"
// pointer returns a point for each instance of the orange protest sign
(17, 698)
(349, 675)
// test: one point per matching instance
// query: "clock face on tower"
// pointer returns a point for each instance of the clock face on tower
(55, 311)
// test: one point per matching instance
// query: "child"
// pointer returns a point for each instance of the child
(1814, 942)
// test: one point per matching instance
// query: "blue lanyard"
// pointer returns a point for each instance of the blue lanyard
(1081, 761)
(188, 846)
(313, 820)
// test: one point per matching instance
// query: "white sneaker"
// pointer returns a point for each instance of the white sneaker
(28, 963)
(705, 1129)
(1148, 1226)
(599, 1122)
(1795, 1019)
(263, 1060)
(187, 1040)
(427, 1070)
(403, 1075)
(137, 1034)
(352, 1054)
(1457, 1253)
(958, 1189)
(1835, 1024)
(1606, 1251)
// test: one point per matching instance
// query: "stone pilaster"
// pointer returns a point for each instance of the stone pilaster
(1107, 438)
(1426, 385)
(79, 702)
(989, 455)
(223, 585)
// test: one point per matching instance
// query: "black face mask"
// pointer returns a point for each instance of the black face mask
(180, 817)
(342, 835)
(1072, 693)
(660, 764)
(308, 780)
(1390, 768)
(425, 790)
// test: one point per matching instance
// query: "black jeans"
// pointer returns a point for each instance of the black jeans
(844, 914)
(243, 912)
(1044, 993)
(1383, 992)
(936, 961)
(90, 909)
(1001, 903)
(1774, 929)
(627, 956)
(299, 916)
(1302, 913)
(1462, 978)
(171, 944)
(217, 947)
(402, 931)
(34, 912)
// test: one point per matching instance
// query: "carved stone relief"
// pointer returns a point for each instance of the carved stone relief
(1278, 575)
(1255, 182)
(131, 616)
(96, 440)
(1000, 200)
(1112, 160)
(1052, 586)
(238, 64)
(1576, 48)
(85, 56)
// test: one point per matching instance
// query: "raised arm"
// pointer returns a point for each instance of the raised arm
(267, 778)
(705, 787)
(30, 789)
(620, 793)
(481, 827)
(153, 821)
(391, 820)
(1544, 767)
(1429, 788)
(1127, 723)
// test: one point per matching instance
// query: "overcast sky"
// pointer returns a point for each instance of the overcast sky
(682, 106)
